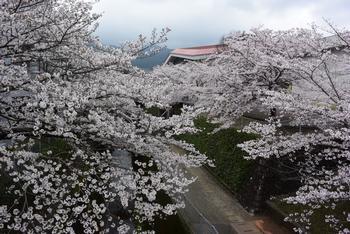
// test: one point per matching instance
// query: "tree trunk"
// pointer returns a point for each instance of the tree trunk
(263, 173)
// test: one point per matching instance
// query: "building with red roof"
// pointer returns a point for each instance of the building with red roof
(180, 55)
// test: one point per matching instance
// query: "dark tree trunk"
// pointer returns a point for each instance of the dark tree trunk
(264, 176)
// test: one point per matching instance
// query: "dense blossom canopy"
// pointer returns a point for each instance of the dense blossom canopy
(299, 78)
(66, 104)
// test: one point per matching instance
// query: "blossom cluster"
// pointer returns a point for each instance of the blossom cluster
(60, 85)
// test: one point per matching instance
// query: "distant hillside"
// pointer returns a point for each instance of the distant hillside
(149, 62)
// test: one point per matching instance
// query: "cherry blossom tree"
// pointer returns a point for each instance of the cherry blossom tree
(60, 86)
(319, 103)
(300, 78)
(232, 81)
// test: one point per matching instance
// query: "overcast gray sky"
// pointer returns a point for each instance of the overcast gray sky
(200, 22)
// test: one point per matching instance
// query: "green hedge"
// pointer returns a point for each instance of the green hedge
(231, 168)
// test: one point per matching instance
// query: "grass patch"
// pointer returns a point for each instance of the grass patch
(155, 111)
(231, 168)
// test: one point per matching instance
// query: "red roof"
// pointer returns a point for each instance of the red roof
(199, 50)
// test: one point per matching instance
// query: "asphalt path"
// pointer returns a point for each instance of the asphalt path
(210, 208)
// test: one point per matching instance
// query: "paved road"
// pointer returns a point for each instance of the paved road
(212, 209)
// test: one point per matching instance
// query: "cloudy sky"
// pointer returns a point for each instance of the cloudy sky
(200, 22)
